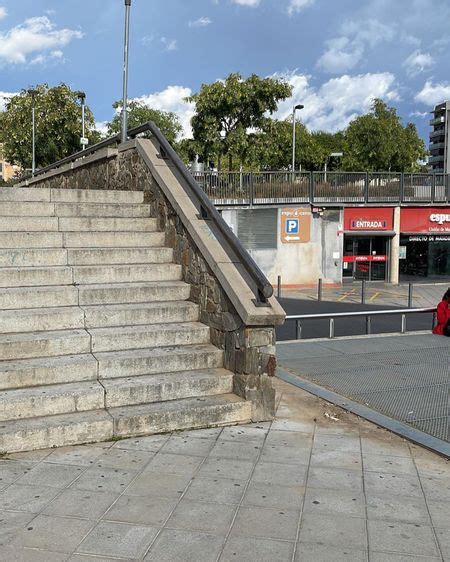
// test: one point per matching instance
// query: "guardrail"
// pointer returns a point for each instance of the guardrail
(323, 188)
(208, 210)
(361, 314)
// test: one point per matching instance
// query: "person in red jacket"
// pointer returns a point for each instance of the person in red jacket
(443, 316)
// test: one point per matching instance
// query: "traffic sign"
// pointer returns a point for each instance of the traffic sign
(295, 225)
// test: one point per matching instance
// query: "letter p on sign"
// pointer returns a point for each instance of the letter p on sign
(292, 226)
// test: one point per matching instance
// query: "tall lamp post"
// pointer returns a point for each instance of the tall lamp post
(299, 106)
(124, 130)
(82, 97)
(33, 93)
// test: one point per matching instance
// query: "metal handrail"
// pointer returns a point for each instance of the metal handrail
(365, 313)
(208, 210)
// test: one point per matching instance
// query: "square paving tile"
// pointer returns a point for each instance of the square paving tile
(216, 490)
(11, 524)
(236, 450)
(382, 483)
(335, 479)
(159, 485)
(310, 552)
(244, 433)
(141, 510)
(152, 443)
(262, 495)
(10, 471)
(80, 503)
(335, 530)
(266, 523)
(443, 536)
(53, 533)
(336, 458)
(104, 479)
(53, 475)
(271, 473)
(256, 550)
(192, 446)
(198, 516)
(436, 488)
(79, 455)
(389, 464)
(27, 498)
(334, 502)
(168, 463)
(185, 546)
(226, 468)
(125, 459)
(402, 538)
(394, 557)
(440, 513)
(15, 554)
(118, 539)
(398, 508)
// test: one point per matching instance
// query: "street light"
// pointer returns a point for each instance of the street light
(33, 93)
(82, 97)
(124, 131)
(332, 155)
(299, 106)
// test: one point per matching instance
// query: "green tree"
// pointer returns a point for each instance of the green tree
(58, 125)
(226, 110)
(378, 141)
(139, 113)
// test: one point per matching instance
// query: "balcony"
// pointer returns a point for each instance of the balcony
(437, 134)
(435, 159)
(437, 120)
(437, 146)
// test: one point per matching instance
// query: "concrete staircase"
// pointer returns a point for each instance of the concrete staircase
(98, 338)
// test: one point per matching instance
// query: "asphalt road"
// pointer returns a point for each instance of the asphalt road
(344, 326)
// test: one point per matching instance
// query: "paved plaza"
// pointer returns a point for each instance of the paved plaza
(315, 484)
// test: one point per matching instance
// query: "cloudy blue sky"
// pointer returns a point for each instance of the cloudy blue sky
(337, 54)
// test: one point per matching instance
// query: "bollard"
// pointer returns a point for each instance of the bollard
(320, 290)
(298, 330)
(279, 287)
(331, 328)
(410, 295)
(363, 291)
(403, 323)
(368, 325)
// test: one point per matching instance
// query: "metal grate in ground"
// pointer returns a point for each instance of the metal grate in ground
(404, 378)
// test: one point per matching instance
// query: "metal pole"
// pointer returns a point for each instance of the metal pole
(279, 286)
(298, 330)
(33, 119)
(320, 290)
(368, 325)
(363, 291)
(403, 323)
(124, 131)
(410, 295)
(83, 114)
(331, 328)
(325, 170)
(293, 143)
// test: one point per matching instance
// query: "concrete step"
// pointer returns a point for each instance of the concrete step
(26, 209)
(55, 431)
(120, 364)
(101, 210)
(15, 240)
(90, 224)
(88, 274)
(36, 297)
(96, 196)
(43, 344)
(97, 256)
(163, 387)
(142, 313)
(41, 319)
(189, 413)
(32, 258)
(133, 293)
(112, 239)
(28, 224)
(102, 425)
(51, 400)
(47, 370)
(24, 194)
(32, 276)
(154, 335)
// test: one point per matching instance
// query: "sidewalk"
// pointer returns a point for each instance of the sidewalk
(316, 484)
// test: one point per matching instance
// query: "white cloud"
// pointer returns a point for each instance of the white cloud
(295, 6)
(251, 3)
(419, 114)
(102, 127)
(201, 22)
(172, 99)
(34, 35)
(169, 44)
(3, 12)
(4, 98)
(432, 94)
(344, 52)
(418, 62)
(336, 102)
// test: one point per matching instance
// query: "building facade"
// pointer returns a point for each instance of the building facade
(439, 142)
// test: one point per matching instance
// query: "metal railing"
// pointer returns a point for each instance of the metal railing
(298, 318)
(323, 188)
(208, 211)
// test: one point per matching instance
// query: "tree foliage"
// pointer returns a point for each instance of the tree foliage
(226, 111)
(58, 125)
(378, 141)
(139, 113)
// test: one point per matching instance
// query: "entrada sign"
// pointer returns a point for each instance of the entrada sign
(368, 219)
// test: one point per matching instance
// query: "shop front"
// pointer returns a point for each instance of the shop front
(425, 242)
(367, 235)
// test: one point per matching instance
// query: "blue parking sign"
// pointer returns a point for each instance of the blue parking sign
(292, 226)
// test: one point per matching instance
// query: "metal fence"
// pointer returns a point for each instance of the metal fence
(323, 188)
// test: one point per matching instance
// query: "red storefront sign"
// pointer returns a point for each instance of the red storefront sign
(426, 220)
(352, 259)
(367, 219)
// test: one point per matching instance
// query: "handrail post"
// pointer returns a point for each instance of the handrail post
(320, 290)
(404, 324)
(251, 194)
(311, 187)
(410, 295)
(298, 330)
(279, 287)
(368, 325)
(366, 188)
(331, 333)
(433, 188)
(363, 291)
(402, 188)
